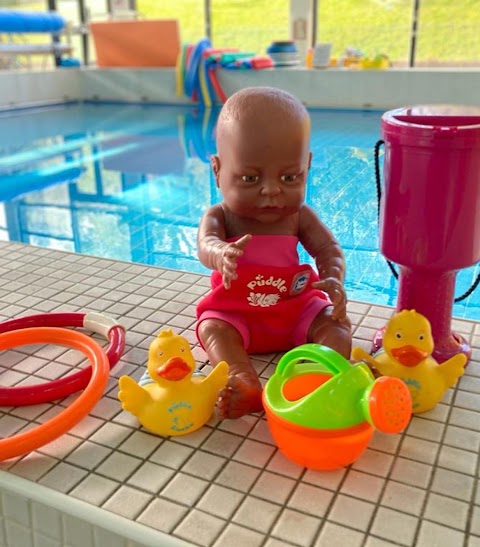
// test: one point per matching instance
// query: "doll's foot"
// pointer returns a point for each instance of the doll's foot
(242, 395)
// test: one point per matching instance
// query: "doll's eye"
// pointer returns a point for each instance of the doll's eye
(250, 178)
(289, 178)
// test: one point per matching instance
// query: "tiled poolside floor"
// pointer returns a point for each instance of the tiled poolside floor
(226, 484)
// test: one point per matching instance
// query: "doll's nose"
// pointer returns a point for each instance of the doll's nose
(270, 187)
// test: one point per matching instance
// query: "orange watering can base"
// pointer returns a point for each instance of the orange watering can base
(319, 449)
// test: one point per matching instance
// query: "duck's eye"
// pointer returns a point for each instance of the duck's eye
(182, 350)
(160, 353)
(288, 178)
(250, 178)
(421, 337)
(398, 335)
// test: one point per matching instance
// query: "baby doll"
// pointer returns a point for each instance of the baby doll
(262, 299)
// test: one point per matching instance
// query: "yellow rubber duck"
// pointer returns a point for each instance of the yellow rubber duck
(170, 400)
(407, 354)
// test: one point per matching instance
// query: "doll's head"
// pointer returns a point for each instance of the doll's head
(263, 144)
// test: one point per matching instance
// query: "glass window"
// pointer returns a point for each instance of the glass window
(374, 27)
(448, 33)
(249, 25)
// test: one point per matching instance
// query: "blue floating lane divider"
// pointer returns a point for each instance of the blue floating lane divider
(30, 21)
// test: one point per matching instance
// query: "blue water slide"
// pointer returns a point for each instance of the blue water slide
(30, 21)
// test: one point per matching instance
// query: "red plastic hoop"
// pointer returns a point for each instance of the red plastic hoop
(63, 387)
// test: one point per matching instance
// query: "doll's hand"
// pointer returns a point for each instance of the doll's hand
(335, 290)
(230, 254)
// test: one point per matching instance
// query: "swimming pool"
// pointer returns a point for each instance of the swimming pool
(130, 182)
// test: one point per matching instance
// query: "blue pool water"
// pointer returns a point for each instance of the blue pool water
(130, 182)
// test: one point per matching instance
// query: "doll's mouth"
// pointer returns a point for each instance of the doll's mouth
(271, 209)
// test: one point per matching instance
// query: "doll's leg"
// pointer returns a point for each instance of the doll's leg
(331, 333)
(243, 393)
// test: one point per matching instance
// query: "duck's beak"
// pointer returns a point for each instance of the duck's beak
(409, 356)
(174, 369)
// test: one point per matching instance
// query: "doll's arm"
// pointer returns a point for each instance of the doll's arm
(213, 251)
(320, 243)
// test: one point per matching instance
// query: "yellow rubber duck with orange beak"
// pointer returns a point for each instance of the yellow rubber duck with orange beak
(170, 399)
(407, 354)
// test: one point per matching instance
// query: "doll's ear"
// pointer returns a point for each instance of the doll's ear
(215, 160)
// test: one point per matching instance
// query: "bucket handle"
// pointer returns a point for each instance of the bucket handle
(314, 353)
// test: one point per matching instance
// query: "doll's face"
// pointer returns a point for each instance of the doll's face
(262, 167)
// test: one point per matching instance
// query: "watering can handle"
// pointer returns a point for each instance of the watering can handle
(315, 354)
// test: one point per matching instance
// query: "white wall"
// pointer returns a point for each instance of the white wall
(22, 88)
(338, 88)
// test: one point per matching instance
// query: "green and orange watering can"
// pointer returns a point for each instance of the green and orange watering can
(322, 411)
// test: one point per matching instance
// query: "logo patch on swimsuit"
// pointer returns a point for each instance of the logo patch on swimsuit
(300, 281)
(262, 300)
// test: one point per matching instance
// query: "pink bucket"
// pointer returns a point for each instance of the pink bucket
(430, 210)
(430, 214)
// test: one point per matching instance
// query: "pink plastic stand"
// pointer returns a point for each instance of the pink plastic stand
(430, 210)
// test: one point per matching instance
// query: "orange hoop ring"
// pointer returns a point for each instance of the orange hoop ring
(22, 443)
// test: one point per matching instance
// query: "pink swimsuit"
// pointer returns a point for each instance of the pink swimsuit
(272, 303)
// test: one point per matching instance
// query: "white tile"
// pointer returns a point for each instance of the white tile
(76, 532)
(94, 489)
(425, 429)
(238, 476)
(88, 455)
(333, 535)
(257, 514)
(440, 536)
(171, 454)
(281, 465)
(462, 438)
(403, 497)
(18, 534)
(222, 444)
(411, 472)
(374, 462)
(394, 526)
(452, 484)
(351, 512)
(457, 460)
(110, 435)
(184, 489)
(220, 501)
(118, 466)
(447, 511)
(199, 527)
(254, 453)
(310, 499)
(63, 477)
(137, 501)
(151, 477)
(205, 465)
(419, 450)
(238, 535)
(362, 485)
(273, 487)
(162, 515)
(330, 480)
(296, 528)
(46, 520)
